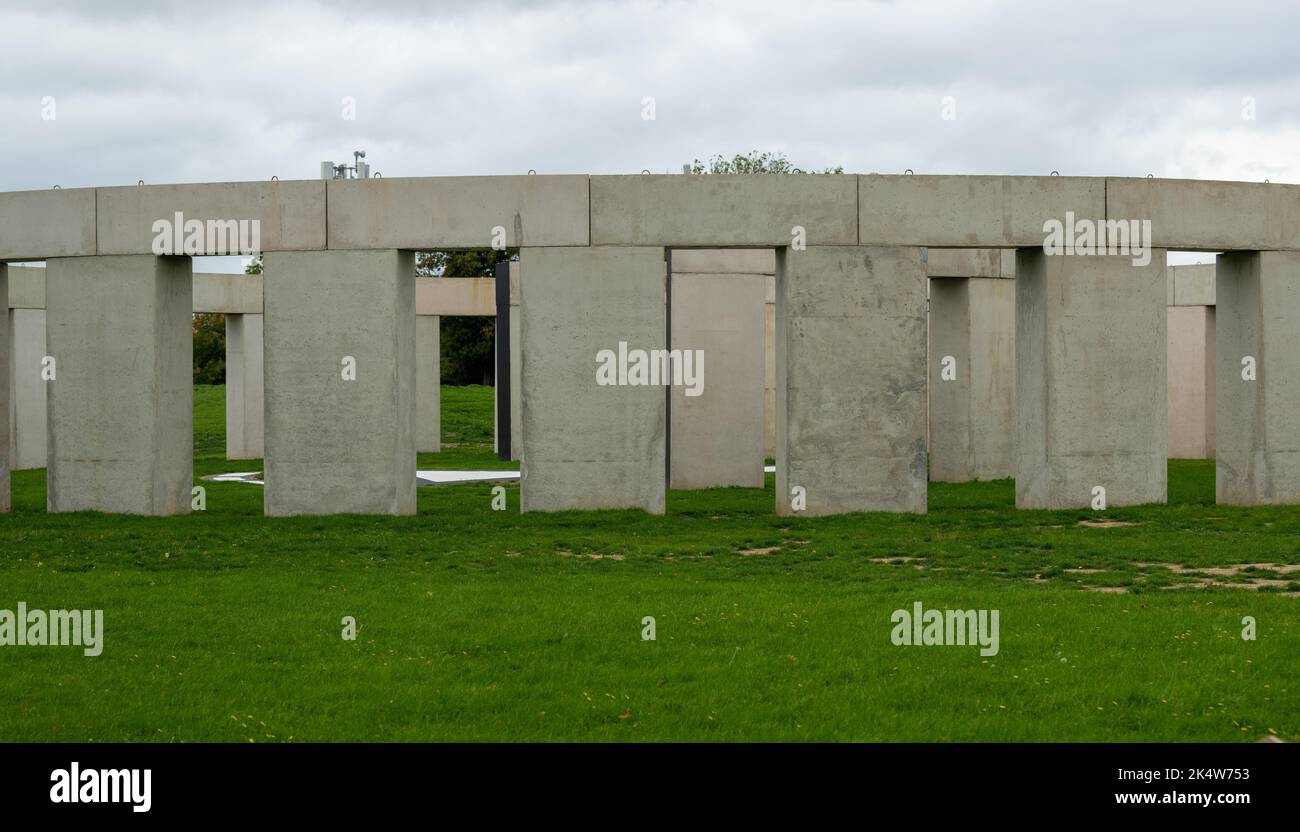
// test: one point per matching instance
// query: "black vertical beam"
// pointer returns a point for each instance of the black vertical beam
(504, 422)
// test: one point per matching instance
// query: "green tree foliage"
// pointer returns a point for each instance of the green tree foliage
(753, 162)
(467, 345)
(209, 348)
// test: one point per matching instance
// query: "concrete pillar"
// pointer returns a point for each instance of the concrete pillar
(27, 403)
(587, 445)
(340, 442)
(717, 435)
(6, 415)
(850, 367)
(972, 378)
(1090, 380)
(769, 370)
(244, 390)
(428, 377)
(1190, 352)
(1257, 422)
(121, 405)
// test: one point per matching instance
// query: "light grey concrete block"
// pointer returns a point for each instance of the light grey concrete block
(717, 436)
(964, 262)
(458, 212)
(121, 406)
(27, 389)
(428, 377)
(971, 211)
(333, 445)
(1090, 380)
(850, 379)
(1193, 285)
(972, 379)
(1257, 423)
(723, 210)
(468, 296)
(724, 261)
(228, 294)
(35, 225)
(1190, 340)
(1197, 215)
(588, 446)
(6, 413)
(291, 215)
(26, 287)
(245, 392)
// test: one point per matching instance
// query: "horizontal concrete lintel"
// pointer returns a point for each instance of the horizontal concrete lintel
(471, 296)
(229, 294)
(1204, 215)
(26, 287)
(459, 212)
(35, 225)
(1193, 284)
(723, 210)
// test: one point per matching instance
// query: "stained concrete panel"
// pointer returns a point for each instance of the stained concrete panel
(1257, 439)
(245, 395)
(1091, 381)
(428, 375)
(723, 210)
(1190, 340)
(291, 214)
(1196, 215)
(27, 404)
(717, 436)
(850, 364)
(468, 296)
(971, 211)
(588, 446)
(35, 225)
(458, 212)
(964, 262)
(6, 414)
(120, 407)
(333, 445)
(972, 399)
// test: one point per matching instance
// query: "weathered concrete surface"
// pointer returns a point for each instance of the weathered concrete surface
(1190, 342)
(724, 261)
(972, 379)
(850, 359)
(471, 296)
(1200, 215)
(26, 287)
(428, 375)
(121, 407)
(245, 394)
(1257, 440)
(6, 415)
(723, 210)
(1192, 285)
(516, 364)
(35, 225)
(971, 211)
(458, 212)
(335, 446)
(292, 214)
(1090, 371)
(717, 436)
(965, 262)
(228, 294)
(587, 446)
(27, 404)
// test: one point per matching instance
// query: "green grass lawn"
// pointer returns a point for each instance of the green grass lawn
(476, 624)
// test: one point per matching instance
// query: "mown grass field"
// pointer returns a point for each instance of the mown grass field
(483, 625)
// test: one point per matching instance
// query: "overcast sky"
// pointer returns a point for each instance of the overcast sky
(248, 89)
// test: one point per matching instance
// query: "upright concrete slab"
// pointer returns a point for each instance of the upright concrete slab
(850, 365)
(1190, 340)
(6, 416)
(428, 375)
(1090, 380)
(1257, 424)
(587, 445)
(245, 400)
(972, 379)
(120, 407)
(27, 389)
(336, 445)
(717, 429)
